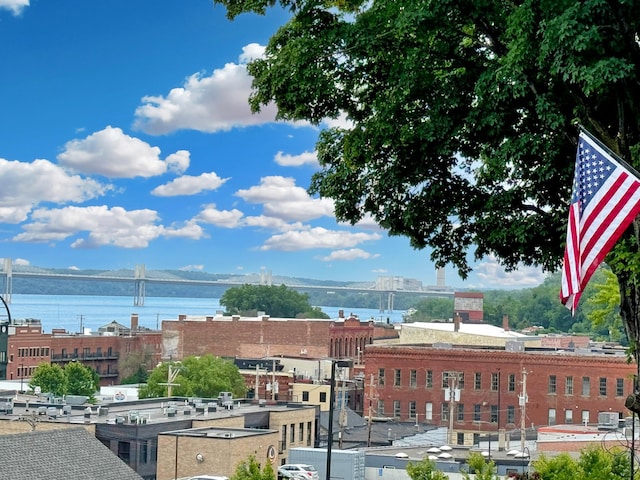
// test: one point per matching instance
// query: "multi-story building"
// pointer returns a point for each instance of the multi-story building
(264, 336)
(475, 390)
(28, 346)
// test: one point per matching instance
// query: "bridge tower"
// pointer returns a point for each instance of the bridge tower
(8, 280)
(139, 278)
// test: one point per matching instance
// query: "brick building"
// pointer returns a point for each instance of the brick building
(481, 387)
(28, 346)
(264, 336)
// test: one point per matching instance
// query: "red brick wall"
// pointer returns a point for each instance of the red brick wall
(540, 366)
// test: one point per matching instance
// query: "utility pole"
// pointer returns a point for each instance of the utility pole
(370, 411)
(523, 410)
(343, 412)
(453, 395)
(273, 381)
(171, 376)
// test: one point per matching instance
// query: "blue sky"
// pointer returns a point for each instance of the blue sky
(126, 138)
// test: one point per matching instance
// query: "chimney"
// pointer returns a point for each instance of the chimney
(340, 313)
(182, 317)
(134, 322)
(456, 322)
(505, 322)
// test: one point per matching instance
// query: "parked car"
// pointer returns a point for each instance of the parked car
(209, 477)
(298, 471)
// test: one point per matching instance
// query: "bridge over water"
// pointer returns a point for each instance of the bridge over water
(140, 277)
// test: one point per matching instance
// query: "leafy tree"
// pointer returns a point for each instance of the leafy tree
(50, 378)
(275, 301)
(483, 469)
(429, 309)
(250, 470)
(204, 376)
(424, 470)
(462, 132)
(594, 464)
(81, 380)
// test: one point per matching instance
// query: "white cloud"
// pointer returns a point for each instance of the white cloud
(220, 218)
(349, 254)
(214, 103)
(305, 158)
(251, 52)
(112, 153)
(281, 198)
(272, 223)
(14, 6)
(189, 185)
(317, 237)
(25, 185)
(493, 274)
(113, 226)
(17, 261)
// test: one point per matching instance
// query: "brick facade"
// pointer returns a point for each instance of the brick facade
(561, 387)
(249, 337)
(28, 347)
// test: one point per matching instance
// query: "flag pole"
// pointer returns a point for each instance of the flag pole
(609, 151)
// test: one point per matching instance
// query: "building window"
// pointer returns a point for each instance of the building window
(494, 414)
(412, 410)
(429, 378)
(568, 386)
(512, 382)
(586, 386)
(477, 412)
(477, 381)
(461, 380)
(283, 437)
(552, 384)
(381, 377)
(494, 382)
(619, 387)
(143, 452)
(460, 438)
(413, 378)
(585, 417)
(124, 450)
(445, 379)
(292, 431)
(396, 408)
(323, 397)
(552, 416)
(381, 408)
(428, 411)
(460, 412)
(397, 378)
(305, 396)
(568, 416)
(301, 431)
(309, 434)
(511, 414)
(603, 386)
(445, 412)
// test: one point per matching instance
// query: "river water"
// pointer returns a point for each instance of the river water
(76, 312)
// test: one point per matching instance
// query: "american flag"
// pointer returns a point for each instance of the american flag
(605, 200)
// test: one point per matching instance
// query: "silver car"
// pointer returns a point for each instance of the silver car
(298, 471)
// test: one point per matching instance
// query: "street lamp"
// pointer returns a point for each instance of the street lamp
(332, 393)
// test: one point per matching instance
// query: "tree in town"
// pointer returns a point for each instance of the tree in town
(481, 468)
(425, 470)
(250, 470)
(204, 376)
(593, 464)
(50, 378)
(460, 117)
(81, 380)
(276, 301)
